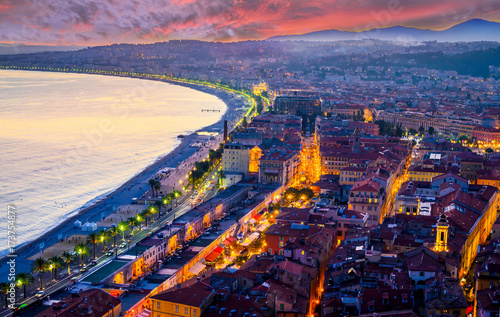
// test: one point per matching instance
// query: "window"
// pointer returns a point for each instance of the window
(195, 313)
(282, 307)
(404, 298)
(421, 273)
(186, 311)
(158, 305)
(176, 308)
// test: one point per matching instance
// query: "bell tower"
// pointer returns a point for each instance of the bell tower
(356, 144)
(442, 234)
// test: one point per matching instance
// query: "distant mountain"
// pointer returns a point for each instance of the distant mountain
(7, 49)
(468, 31)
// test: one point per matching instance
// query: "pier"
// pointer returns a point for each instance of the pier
(210, 110)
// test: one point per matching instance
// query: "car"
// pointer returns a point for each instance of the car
(123, 245)
(109, 253)
(160, 235)
(93, 263)
(72, 252)
(40, 294)
(196, 192)
(150, 233)
(198, 200)
(83, 270)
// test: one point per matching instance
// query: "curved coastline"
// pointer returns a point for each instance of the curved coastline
(179, 153)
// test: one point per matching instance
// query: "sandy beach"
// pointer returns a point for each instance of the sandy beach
(180, 158)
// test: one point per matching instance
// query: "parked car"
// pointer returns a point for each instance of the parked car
(40, 294)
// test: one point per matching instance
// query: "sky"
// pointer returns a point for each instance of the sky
(89, 22)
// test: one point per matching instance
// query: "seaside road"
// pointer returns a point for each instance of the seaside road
(160, 223)
(138, 185)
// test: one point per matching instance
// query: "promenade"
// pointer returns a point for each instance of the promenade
(183, 155)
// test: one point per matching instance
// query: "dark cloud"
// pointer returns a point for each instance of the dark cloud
(99, 21)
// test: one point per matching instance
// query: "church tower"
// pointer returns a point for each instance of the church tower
(356, 144)
(442, 234)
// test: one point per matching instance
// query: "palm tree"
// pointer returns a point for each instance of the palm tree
(171, 197)
(103, 237)
(176, 194)
(55, 263)
(222, 176)
(4, 289)
(132, 222)
(157, 206)
(157, 187)
(144, 216)
(192, 177)
(67, 258)
(82, 249)
(122, 226)
(154, 209)
(93, 239)
(38, 266)
(137, 222)
(24, 279)
(113, 232)
(166, 201)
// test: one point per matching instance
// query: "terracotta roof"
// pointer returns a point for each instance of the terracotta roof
(195, 295)
(367, 185)
(90, 303)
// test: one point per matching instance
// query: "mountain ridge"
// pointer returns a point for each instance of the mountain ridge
(467, 31)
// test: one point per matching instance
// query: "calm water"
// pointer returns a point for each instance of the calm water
(68, 138)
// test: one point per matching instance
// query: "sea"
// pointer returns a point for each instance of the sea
(69, 139)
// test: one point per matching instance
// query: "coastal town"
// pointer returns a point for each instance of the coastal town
(338, 185)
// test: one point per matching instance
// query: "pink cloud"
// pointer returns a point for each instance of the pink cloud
(96, 22)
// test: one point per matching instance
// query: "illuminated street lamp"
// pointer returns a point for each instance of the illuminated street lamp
(123, 232)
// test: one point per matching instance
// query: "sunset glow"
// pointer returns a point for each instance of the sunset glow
(102, 22)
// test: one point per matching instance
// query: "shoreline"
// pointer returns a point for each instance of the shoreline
(106, 204)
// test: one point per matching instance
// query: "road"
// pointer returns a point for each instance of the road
(184, 205)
